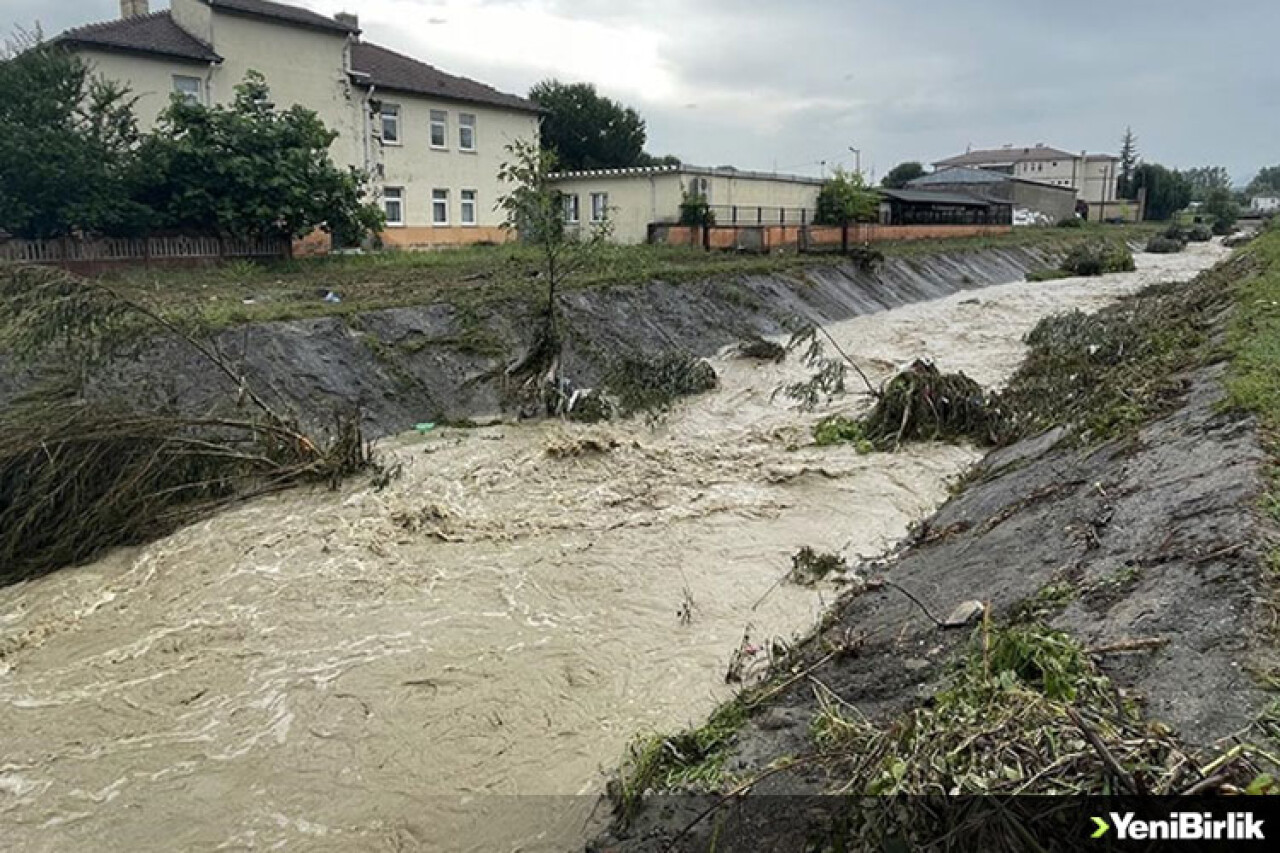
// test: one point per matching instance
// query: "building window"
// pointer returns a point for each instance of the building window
(599, 207)
(439, 207)
(468, 207)
(466, 132)
(393, 205)
(439, 129)
(188, 88)
(390, 124)
(570, 203)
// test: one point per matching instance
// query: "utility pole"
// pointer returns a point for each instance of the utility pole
(857, 159)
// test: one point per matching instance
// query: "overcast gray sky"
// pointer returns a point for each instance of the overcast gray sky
(785, 85)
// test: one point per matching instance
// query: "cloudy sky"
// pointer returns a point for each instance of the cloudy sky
(767, 85)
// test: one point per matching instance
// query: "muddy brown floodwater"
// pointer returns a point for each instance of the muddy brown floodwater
(368, 669)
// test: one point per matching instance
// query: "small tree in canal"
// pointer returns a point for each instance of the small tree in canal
(535, 211)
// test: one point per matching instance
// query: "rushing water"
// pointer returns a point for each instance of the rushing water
(365, 669)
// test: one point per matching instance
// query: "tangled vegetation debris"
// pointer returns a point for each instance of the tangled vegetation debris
(79, 473)
(923, 404)
(1165, 245)
(808, 566)
(1090, 259)
(761, 350)
(652, 382)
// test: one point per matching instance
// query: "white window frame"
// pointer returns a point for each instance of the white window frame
(472, 203)
(572, 210)
(467, 121)
(600, 210)
(396, 194)
(195, 97)
(439, 202)
(440, 119)
(389, 110)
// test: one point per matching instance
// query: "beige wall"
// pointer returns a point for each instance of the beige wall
(302, 66)
(759, 192)
(634, 201)
(418, 168)
(637, 200)
(1095, 180)
(149, 79)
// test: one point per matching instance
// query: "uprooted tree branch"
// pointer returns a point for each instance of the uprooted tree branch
(82, 470)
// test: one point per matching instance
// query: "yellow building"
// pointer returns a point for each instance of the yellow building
(632, 199)
(431, 142)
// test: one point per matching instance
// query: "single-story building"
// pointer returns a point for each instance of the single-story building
(930, 207)
(631, 199)
(1266, 203)
(1034, 202)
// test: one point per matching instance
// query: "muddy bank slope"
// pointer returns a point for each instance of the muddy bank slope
(407, 365)
(1154, 537)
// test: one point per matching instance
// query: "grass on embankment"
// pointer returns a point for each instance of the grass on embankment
(480, 276)
(1029, 696)
(1254, 382)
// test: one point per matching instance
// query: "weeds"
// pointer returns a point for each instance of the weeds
(693, 759)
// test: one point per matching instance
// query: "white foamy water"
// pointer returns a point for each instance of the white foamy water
(365, 670)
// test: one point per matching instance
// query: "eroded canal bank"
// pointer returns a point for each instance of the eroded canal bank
(358, 670)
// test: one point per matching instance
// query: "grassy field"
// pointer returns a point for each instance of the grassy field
(243, 291)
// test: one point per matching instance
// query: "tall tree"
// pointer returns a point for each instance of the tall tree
(1206, 179)
(586, 130)
(1266, 181)
(67, 141)
(898, 177)
(1168, 191)
(1128, 163)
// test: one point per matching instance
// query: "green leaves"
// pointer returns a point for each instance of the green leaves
(587, 130)
(845, 199)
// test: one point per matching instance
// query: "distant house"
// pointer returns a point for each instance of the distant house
(927, 207)
(1266, 203)
(1094, 177)
(1032, 201)
(632, 199)
(432, 142)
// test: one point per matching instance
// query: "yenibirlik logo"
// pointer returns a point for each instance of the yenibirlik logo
(1182, 826)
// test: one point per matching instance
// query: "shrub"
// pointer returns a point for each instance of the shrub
(696, 210)
(1165, 246)
(1174, 232)
(1199, 234)
(1089, 259)
(1222, 227)
(1071, 222)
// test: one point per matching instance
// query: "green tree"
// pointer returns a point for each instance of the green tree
(587, 130)
(534, 209)
(1206, 179)
(1266, 181)
(845, 199)
(1168, 191)
(1220, 207)
(67, 146)
(1125, 186)
(898, 177)
(251, 170)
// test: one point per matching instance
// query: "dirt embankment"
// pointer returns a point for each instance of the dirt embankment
(402, 366)
(1149, 550)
